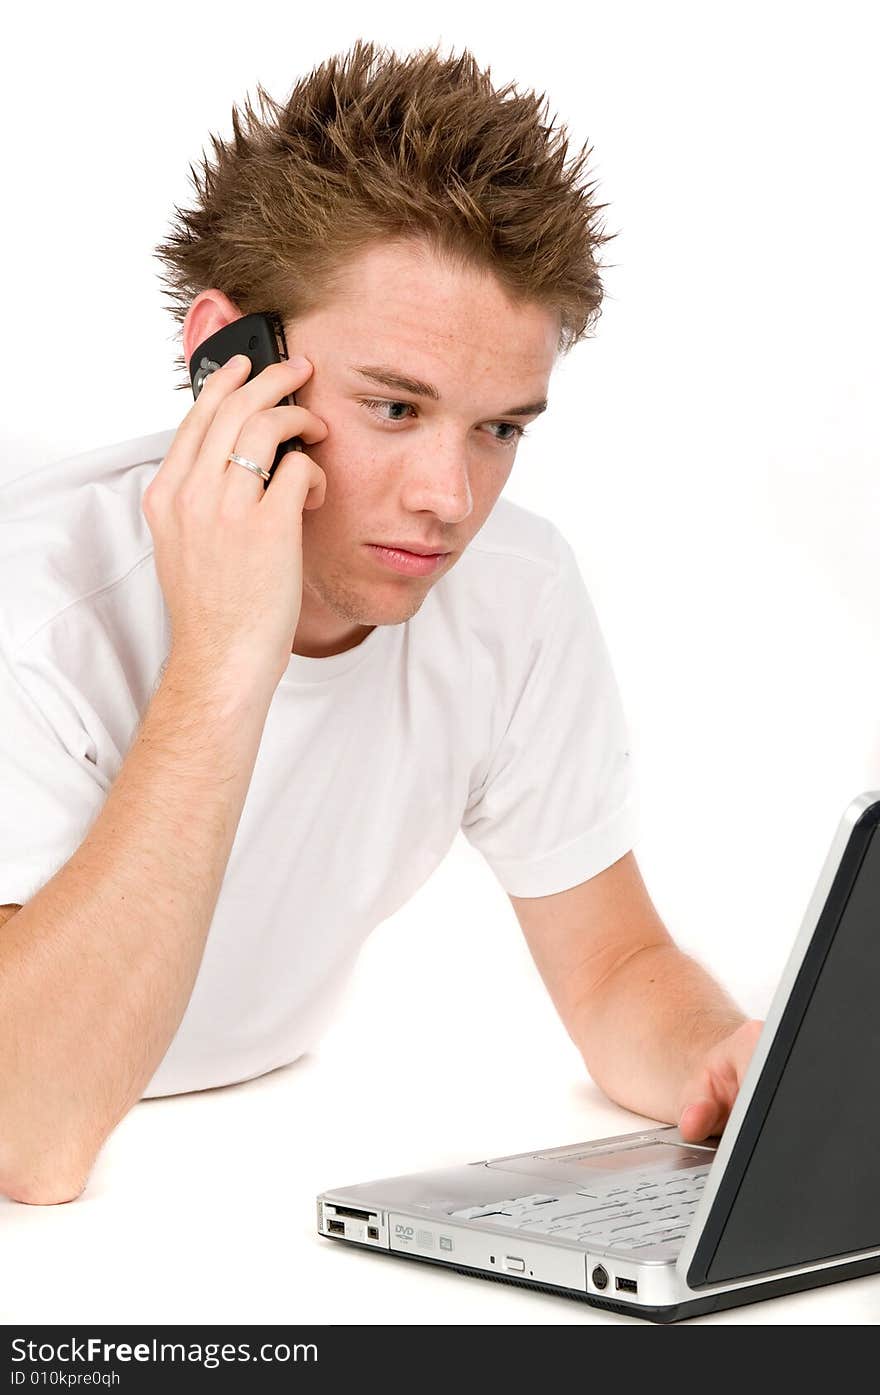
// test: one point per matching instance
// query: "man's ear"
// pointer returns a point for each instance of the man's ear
(210, 311)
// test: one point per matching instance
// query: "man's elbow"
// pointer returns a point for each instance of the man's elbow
(33, 1186)
(40, 1194)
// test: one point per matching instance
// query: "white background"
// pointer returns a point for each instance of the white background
(711, 454)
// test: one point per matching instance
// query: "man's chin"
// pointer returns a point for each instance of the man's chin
(395, 610)
(377, 601)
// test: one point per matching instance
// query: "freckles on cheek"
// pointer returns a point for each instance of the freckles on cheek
(369, 467)
(357, 478)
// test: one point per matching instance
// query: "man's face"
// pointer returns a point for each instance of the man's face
(402, 467)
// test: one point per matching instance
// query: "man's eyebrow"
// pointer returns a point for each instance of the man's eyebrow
(389, 377)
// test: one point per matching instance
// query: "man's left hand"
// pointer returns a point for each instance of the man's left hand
(708, 1096)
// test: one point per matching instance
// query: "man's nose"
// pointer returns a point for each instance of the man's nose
(438, 479)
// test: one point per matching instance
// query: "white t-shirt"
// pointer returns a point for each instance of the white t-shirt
(494, 710)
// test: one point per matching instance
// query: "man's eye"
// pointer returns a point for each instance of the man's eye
(374, 403)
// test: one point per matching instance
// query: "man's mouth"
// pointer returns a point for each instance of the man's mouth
(406, 562)
(419, 548)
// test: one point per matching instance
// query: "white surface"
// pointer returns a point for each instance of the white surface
(712, 458)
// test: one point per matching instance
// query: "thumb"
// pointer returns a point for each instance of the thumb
(701, 1118)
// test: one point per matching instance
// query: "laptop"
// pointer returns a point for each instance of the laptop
(788, 1198)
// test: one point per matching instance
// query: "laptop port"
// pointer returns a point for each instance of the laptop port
(626, 1285)
(354, 1213)
(372, 1232)
(600, 1277)
(336, 1227)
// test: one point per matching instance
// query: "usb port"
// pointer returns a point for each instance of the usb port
(626, 1285)
(336, 1227)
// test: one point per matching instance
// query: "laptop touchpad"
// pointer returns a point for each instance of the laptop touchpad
(579, 1163)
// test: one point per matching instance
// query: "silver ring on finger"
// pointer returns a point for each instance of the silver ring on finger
(249, 465)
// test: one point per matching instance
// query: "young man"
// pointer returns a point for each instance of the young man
(241, 726)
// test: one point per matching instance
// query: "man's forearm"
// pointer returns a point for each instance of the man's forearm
(97, 969)
(646, 1029)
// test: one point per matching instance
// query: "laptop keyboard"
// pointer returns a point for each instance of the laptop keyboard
(654, 1210)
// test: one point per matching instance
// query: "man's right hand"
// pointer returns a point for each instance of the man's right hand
(228, 549)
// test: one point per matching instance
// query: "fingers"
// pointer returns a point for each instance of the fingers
(703, 1118)
(247, 421)
(297, 484)
(746, 1039)
(192, 430)
(216, 423)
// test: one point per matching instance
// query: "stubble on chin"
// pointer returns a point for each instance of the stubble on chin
(355, 605)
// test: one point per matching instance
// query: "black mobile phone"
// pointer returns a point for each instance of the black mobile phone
(261, 337)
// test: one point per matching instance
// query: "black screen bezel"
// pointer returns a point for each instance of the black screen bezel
(702, 1270)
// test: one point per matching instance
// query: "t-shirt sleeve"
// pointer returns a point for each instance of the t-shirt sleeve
(50, 791)
(557, 802)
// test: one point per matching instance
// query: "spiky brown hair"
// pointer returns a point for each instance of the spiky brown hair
(369, 147)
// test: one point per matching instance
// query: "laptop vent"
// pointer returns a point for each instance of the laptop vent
(608, 1303)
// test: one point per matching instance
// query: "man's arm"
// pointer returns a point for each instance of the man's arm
(656, 1032)
(97, 968)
